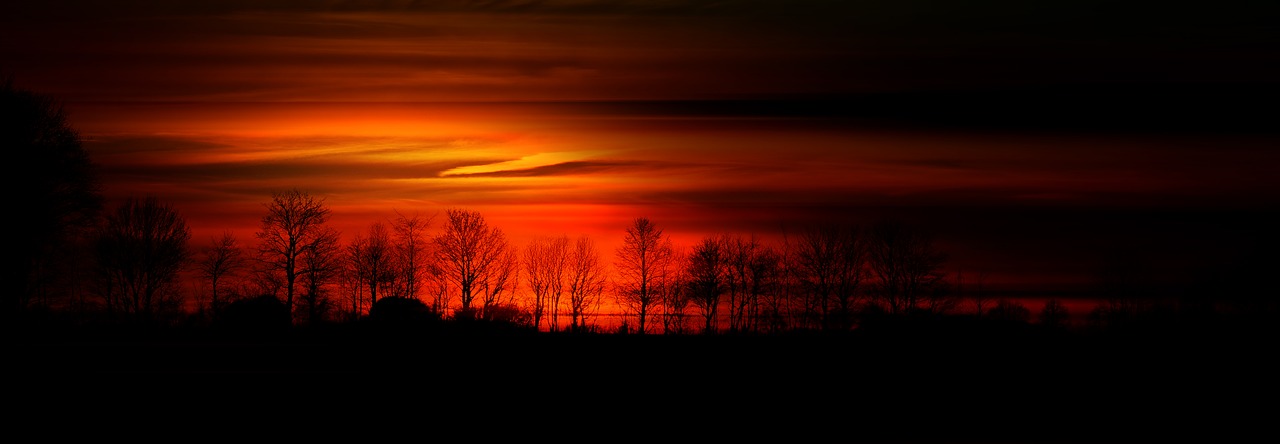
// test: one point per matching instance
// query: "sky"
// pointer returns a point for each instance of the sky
(1039, 142)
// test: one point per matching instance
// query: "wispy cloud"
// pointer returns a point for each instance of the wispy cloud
(579, 168)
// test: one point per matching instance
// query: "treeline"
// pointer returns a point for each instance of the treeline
(468, 269)
(827, 277)
(128, 264)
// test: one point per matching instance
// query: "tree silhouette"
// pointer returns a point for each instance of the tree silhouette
(830, 264)
(740, 281)
(1006, 310)
(643, 259)
(586, 282)
(497, 287)
(294, 223)
(412, 253)
(59, 201)
(1053, 314)
(140, 249)
(907, 267)
(673, 293)
(764, 276)
(376, 260)
(546, 261)
(705, 268)
(321, 264)
(470, 251)
(768, 290)
(221, 260)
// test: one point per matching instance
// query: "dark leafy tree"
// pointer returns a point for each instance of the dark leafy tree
(294, 223)
(58, 203)
(140, 249)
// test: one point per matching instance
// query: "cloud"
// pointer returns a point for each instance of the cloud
(580, 167)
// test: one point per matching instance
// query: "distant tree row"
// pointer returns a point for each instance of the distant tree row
(821, 279)
(829, 276)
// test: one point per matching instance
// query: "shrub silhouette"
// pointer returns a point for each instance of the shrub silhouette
(259, 316)
(402, 311)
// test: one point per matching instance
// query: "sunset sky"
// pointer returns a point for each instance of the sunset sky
(1038, 141)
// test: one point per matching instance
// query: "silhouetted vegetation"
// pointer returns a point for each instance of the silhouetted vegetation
(293, 234)
(258, 317)
(834, 285)
(53, 205)
(843, 322)
(644, 266)
(140, 249)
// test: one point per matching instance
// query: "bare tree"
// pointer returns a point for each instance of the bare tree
(545, 262)
(1054, 314)
(498, 284)
(412, 252)
(979, 301)
(141, 248)
(706, 270)
(764, 285)
(322, 265)
(751, 270)
(586, 282)
(642, 259)
(737, 252)
(440, 291)
(907, 267)
(351, 277)
(780, 310)
(59, 201)
(295, 221)
(470, 251)
(222, 259)
(673, 291)
(375, 260)
(830, 265)
(1011, 311)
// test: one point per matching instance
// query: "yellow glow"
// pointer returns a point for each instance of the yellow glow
(523, 163)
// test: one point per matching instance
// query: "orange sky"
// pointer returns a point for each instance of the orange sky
(547, 169)
(1028, 138)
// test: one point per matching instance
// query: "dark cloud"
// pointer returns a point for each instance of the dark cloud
(150, 145)
(1038, 63)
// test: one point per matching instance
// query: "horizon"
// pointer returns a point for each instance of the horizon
(1039, 145)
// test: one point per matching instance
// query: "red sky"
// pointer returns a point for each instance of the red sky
(1035, 141)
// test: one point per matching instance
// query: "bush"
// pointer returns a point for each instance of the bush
(260, 315)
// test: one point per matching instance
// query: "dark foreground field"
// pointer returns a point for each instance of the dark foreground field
(887, 385)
